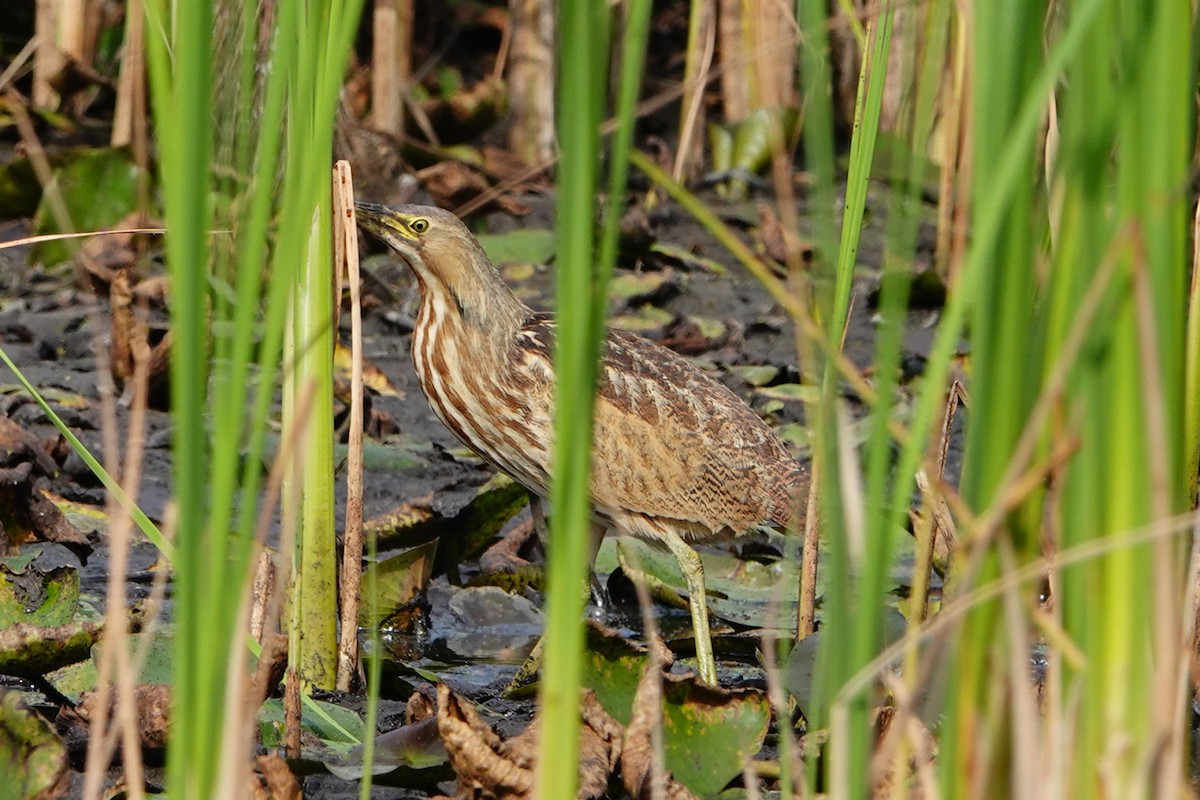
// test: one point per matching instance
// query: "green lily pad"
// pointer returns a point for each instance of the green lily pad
(32, 757)
(399, 577)
(45, 598)
(795, 435)
(756, 374)
(751, 593)
(338, 728)
(73, 680)
(524, 245)
(157, 648)
(417, 746)
(496, 502)
(686, 258)
(636, 288)
(612, 669)
(709, 733)
(98, 188)
(643, 320)
(791, 392)
(35, 650)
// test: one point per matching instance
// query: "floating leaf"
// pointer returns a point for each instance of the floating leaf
(98, 188)
(339, 729)
(33, 760)
(35, 596)
(644, 320)
(756, 374)
(612, 668)
(73, 680)
(686, 258)
(34, 650)
(399, 578)
(496, 502)
(637, 288)
(795, 435)
(709, 733)
(791, 392)
(523, 245)
(745, 592)
(417, 746)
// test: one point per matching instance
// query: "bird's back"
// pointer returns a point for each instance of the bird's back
(672, 444)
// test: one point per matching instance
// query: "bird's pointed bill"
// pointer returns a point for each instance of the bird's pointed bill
(382, 221)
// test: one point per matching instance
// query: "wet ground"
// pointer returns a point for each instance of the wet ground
(52, 327)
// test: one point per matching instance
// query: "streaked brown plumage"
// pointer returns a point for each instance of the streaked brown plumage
(678, 457)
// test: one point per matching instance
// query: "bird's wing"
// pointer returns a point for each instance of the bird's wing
(672, 443)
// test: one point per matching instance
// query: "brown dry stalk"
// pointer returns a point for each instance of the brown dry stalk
(346, 239)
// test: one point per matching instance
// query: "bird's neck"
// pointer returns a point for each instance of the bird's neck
(483, 311)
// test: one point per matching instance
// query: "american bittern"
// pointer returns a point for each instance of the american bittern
(677, 458)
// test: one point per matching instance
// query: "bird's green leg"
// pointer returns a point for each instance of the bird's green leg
(533, 663)
(693, 572)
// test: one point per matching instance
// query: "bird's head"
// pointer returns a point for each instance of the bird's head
(445, 257)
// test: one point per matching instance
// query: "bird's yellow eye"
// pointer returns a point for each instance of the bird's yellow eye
(419, 225)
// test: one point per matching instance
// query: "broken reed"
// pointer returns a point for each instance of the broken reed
(230, 296)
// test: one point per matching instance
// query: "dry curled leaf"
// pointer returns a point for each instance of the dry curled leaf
(31, 514)
(275, 779)
(490, 767)
(778, 242)
(152, 704)
(453, 184)
(638, 756)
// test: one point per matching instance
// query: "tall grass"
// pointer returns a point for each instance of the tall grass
(581, 289)
(262, 181)
(1076, 312)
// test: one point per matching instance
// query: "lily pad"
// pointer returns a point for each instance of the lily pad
(417, 746)
(43, 597)
(709, 733)
(638, 288)
(751, 593)
(612, 668)
(524, 245)
(645, 320)
(98, 188)
(399, 577)
(339, 729)
(791, 392)
(756, 374)
(33, 758)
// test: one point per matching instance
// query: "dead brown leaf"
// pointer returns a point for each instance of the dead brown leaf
(130, 336)
(276, 781)
(505, 554)
(638, 756)
(453, 184)
(27, 512)
(779, 242)
(152, 702)
(685, 335)
(490, 767)
(103, 256)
